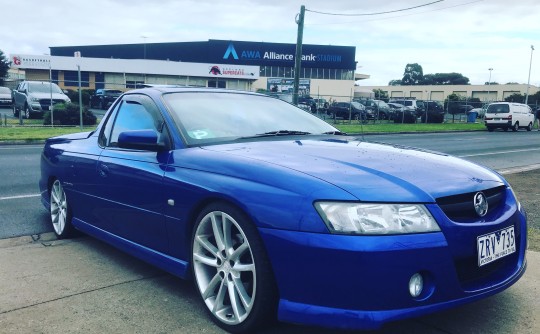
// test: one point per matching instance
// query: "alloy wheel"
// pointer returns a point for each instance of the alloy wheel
(224, 268)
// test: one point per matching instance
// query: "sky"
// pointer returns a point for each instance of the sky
(463, 36)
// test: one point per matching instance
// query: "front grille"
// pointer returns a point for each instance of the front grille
(461, 207)
(45, 103)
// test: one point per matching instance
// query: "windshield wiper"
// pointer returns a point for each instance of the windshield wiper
(335, 133)
(279, 133)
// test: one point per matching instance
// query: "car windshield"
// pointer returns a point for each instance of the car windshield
(43, 87)
(112, 91)
(357, 105)
(498, 108)
(210, 118)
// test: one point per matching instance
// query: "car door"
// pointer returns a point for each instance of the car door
(131, 180)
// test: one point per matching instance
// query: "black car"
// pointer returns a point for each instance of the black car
(103, 98)
(431, 111)
(342, 110)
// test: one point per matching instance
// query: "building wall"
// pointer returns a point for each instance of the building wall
(441, 92)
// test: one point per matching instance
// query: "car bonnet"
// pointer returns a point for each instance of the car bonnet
(372, 171)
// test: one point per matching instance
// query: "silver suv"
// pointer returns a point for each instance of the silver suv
(34, 98)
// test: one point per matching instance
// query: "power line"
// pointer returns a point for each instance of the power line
(379, 13)
(398, 16)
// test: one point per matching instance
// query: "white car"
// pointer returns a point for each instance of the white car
(5, 97)
(508, 115)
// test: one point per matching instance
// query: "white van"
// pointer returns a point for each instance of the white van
(508, 115)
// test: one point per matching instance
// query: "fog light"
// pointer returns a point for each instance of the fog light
(416, 285)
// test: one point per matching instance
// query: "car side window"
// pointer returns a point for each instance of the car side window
(134, 113)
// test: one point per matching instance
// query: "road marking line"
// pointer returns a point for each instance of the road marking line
(500, 152)
(19, 196)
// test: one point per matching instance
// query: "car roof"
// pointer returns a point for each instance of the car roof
(161, 89)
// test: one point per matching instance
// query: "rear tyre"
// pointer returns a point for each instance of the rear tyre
(515, 127)
(529, 127)
(490, 129)
(231, 270)
(60, 212)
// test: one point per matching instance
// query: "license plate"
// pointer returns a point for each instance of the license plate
(493, 246)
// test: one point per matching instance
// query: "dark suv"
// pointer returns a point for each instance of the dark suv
(103, 98)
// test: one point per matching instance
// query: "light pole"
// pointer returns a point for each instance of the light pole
(144, 46)
(489, 82)
(529, 80)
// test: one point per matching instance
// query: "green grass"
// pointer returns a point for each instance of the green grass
(395, 128)
(31, 133)
(27, 133)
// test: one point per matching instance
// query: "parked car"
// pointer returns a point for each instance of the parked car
(275, 213)
(348, 110)
(103, 98)
(432, 111)
(401, 113)
(508, 115)
(409, 103)
(322, 104)
(459, 108)
(34, 98)
(377, 109)
(5, 97)
(480, 112)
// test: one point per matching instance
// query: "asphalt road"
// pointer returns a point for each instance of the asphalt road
(22, 213)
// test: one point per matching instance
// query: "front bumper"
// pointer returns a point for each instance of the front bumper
(361, 282)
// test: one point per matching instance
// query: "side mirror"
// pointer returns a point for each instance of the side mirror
(146, 140)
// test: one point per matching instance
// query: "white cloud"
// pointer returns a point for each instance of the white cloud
(464, 36)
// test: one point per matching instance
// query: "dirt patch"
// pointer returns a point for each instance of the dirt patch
(526, 185)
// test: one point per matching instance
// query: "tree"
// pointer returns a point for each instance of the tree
(516, 97)
(4, 67)
(413, 75)
(380, 94)
(394, 83)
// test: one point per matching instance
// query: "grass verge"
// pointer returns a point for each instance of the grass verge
(30, 133)
(26, 133)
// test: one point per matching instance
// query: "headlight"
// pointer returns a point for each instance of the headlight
(376, 218)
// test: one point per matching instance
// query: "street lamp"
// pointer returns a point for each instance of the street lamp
(529, 80)
(489, 82)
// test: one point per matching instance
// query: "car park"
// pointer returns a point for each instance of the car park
(508, 115)
(5, 97)
(103, 98)
(274, 213)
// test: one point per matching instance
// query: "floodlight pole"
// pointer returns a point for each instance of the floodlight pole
(298, 56)
(489, 83)
(529, 80)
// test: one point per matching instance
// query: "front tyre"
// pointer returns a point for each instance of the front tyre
(231, 269)
(27, 112)
(60, 212)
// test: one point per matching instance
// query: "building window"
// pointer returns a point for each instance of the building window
(71, 79)
(134, 84)
(215, 83)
